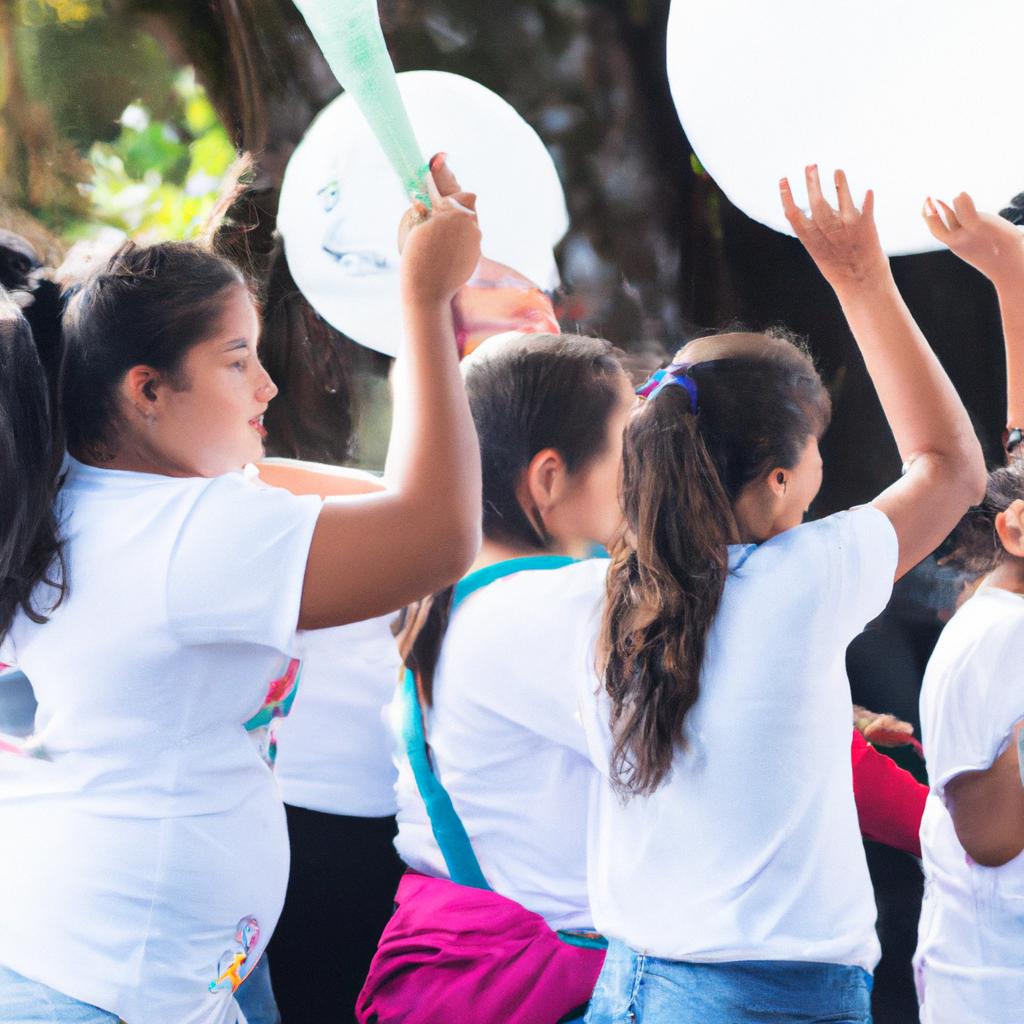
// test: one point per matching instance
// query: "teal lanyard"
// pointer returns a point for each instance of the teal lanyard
(449, 832)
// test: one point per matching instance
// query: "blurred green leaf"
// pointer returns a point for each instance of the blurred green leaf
(160, 178)
(199, 114)
(158, 147)
(212, 153)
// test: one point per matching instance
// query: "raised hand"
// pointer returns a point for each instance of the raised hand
(842, 242)
(440, 248)
(933, 433)
(985, 241)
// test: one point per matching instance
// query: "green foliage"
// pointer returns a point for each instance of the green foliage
(160, 179)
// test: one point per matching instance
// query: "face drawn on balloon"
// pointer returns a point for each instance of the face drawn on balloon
(338, 234)
(341, 203)
(496, 299)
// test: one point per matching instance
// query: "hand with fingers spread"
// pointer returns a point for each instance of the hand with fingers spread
(842, 242)
(984, 240)
(440, 248)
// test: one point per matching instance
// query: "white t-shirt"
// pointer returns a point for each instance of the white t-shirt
(147, 828)
(750, 849)
(505, 736)
(334, 751)
(970, 952)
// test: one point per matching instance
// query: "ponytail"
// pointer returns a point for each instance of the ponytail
(664, 592)
(30, 546)
(748, 406)
(429, 625)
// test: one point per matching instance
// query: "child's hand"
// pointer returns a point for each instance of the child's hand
(882, 730)
(843, 243)
(987, 242)
(440, 248)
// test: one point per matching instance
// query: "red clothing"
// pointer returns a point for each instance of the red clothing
(890, 801)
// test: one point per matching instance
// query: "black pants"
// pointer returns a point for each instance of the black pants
(341, 891)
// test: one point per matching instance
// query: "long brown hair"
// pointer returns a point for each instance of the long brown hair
(759, 399)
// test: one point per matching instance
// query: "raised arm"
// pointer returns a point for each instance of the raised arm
(996, 248)
(374, 553)
(945, 470)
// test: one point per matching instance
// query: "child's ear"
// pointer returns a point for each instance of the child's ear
(541, 478)
(1010, 528)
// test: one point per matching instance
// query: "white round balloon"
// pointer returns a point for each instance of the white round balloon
(341, 201)
(913, 98)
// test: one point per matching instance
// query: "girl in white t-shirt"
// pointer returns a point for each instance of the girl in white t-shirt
(151, 593)
(504, 737)
(969, 964)
(725, 866)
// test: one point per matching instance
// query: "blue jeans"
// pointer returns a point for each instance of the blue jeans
(637, 989)
(255, 996)
(28, 1002)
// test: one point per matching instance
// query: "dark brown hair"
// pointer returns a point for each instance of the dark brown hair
(30, 547)
(314, 367)
(759, 400)
(526, 393)
(974, 544)
(149, 305)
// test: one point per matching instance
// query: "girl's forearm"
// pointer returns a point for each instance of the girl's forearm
(1010, 291)
(433, 459)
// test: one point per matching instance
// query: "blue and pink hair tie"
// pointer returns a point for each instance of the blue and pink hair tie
(677, 374)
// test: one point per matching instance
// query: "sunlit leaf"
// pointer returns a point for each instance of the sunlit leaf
(150, 182)
(212, 153)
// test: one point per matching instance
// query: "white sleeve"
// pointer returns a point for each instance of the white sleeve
(973, 706)
(238, 565)
(865, 555)
(846, 564)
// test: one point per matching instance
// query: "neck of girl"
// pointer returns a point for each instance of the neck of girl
(1008, 575)
(494, 551)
